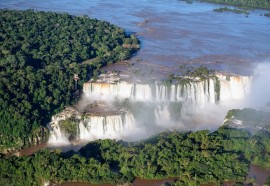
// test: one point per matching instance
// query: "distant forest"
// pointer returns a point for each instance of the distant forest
(265, 4)
(39, 54)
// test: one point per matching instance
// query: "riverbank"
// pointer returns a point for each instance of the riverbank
(137, 182)
(259, 173)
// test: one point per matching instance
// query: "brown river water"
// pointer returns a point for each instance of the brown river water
(137, 182)
(255, 171)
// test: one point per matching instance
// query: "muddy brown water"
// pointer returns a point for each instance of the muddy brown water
(260, 174)
(29, 151)
(137, 182)
(83, 184)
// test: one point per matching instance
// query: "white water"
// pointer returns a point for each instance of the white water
(56, 135)
(260, 94)
(199, 92)
(175, 107)
(91, 127)
(234, 87)
(103, 127)
(109, 90)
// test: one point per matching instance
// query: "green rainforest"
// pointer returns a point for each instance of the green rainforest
(192, 158)
(39, 54)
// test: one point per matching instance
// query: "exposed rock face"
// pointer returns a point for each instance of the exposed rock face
(39, 136)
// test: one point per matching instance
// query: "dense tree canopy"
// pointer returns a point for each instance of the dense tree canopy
(193, 158)
(39, 54)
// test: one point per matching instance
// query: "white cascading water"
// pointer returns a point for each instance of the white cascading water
(187, 98)
(234, 87)
(162, 92)
(91, 127)
(102, 127)
(143, 92)
(109, 90)
(200, 92)
(57, 136)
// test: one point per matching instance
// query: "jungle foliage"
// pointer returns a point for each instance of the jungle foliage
(226, 9)
(193, 158)
(247, 115)
(39, 54)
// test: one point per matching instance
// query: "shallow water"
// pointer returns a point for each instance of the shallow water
(31, 150)
(137, 182)
(173, 32)
(260, 174)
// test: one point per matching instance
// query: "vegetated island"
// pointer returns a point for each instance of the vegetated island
(226, 9)
(191, 158)
(40, 52)
(264, 4)
(243, 6)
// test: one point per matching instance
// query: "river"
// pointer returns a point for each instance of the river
(137, 182)
(173, 32)
(260, 174)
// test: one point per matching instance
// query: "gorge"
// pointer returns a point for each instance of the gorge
(112, 106)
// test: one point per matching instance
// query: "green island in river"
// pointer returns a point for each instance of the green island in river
(242, 6)
(265, 4)
(40, 52)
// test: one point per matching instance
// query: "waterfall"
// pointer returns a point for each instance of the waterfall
(143, 92)
(191, 94)
(102, 127)
(108, 90)
(161, 92)
(56, 135)
(198, 91)
(168, 105)
(234, 87)
(90, 127)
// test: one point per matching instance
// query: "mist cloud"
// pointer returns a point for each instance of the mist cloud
(260, 94)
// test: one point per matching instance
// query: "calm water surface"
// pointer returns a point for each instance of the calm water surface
(173, 32)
